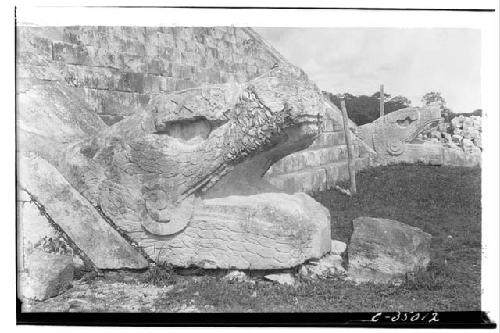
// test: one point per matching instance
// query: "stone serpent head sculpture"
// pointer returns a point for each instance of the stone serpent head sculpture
(390, 134)
(180, 176)
(152, 168)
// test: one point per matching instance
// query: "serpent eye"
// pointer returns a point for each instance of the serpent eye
(405, 122)
(195, 128)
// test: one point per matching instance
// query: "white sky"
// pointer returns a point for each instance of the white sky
(409, 62)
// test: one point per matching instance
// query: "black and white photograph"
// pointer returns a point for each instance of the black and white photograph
(258, 164)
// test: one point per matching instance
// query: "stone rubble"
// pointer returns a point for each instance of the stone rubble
(463, 133)
(328, 266)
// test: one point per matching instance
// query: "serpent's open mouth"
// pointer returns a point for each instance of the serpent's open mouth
(246, 178)
(423, 127)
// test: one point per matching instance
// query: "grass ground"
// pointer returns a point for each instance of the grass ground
(443, 201)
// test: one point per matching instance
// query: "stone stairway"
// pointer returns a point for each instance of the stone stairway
(321, 165)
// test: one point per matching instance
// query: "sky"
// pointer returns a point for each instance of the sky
(409, 62)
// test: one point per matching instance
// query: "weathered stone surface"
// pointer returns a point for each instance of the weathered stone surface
(141, 60)
(311, 158)
(430, 153)
(457, 157)
(104, 246)
(317, 178)
(389, 135)
(302, 181)
(45, 275)
(382, 250)
(263, 231)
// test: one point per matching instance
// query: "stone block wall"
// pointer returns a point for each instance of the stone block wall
(120, 68)
(321, 165)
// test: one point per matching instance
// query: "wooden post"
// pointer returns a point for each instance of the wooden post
(350, 154)
(382, 97)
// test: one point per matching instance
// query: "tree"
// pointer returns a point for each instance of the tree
(434, 98)
(477, 112)
(400, 100)
(377, 95)
(364, 109)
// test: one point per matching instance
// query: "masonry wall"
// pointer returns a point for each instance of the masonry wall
(322, 165)
(120, 68)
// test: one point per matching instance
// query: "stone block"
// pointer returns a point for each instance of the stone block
(134, 63)
(70, 53)
(184, 84)
(312, 157)
(328, 139)
(302, 181)
(45, 275)
(430, 153)
(152, 84)
(457, 157)
(109, 103)
(338, 171)
(93, 77)
(131, 82)
(383, 250)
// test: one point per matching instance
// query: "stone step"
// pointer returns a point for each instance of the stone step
(327, 139)
(311, 158)
(330, 125)
(316, 179)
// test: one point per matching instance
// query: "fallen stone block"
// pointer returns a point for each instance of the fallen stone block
(45, 275)
(383, 250)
